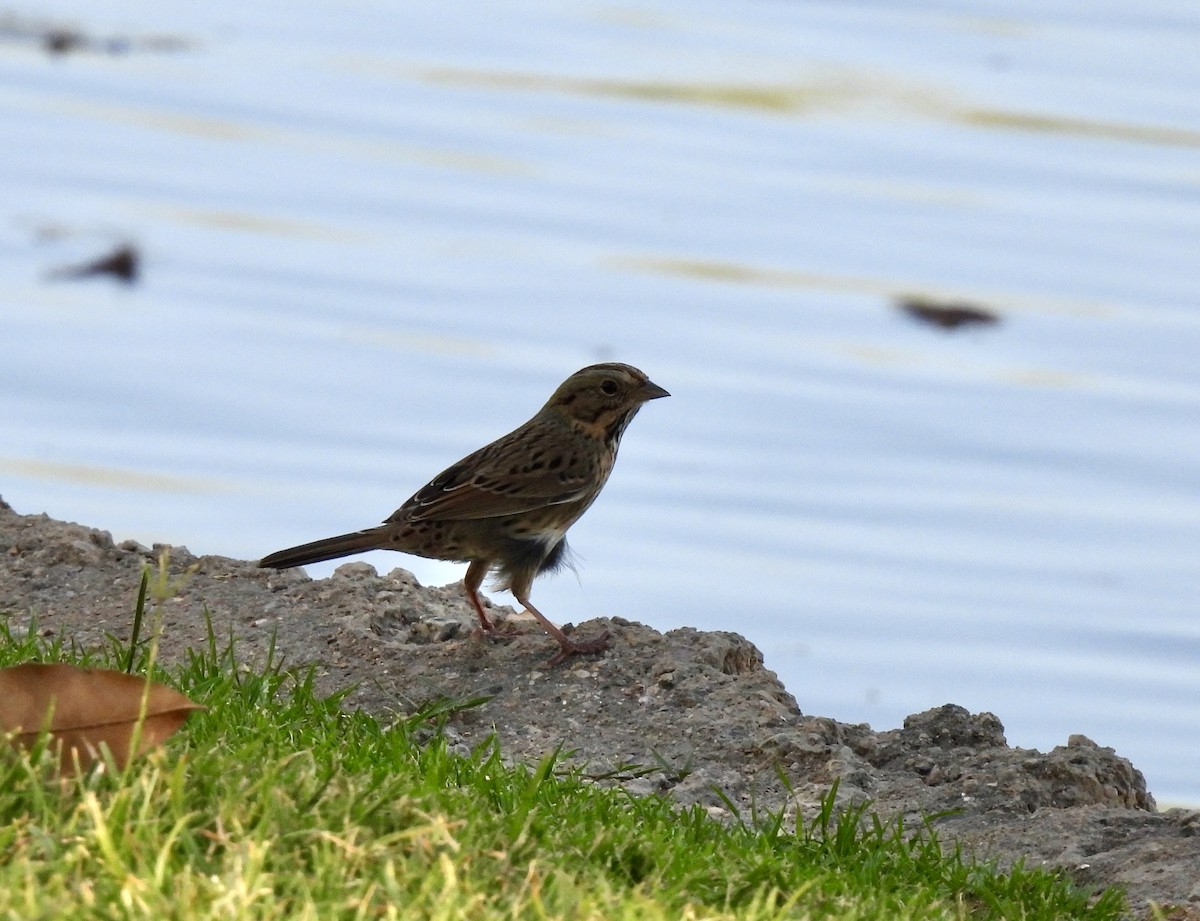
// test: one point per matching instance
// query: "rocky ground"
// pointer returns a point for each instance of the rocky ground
(675, 714)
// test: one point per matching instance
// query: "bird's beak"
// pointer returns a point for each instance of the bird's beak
(651, 391)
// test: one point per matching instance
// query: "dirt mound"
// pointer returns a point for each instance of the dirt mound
(676, 714)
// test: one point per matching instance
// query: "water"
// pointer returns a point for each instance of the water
(376, 237)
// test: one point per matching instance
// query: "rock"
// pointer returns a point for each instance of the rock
(678, 714)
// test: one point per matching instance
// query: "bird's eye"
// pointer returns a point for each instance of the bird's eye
(608, 387)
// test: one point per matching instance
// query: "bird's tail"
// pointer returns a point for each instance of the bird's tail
(328, 549)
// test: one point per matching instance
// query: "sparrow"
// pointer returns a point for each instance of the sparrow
(507, 507)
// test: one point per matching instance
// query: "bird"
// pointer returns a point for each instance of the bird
(506, 508)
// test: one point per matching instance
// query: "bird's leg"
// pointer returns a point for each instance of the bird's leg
(471, 582)
(567, 646)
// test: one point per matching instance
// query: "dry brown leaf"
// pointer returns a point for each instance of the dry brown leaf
(87, 707)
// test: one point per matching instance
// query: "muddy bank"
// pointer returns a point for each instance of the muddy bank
(698, 708)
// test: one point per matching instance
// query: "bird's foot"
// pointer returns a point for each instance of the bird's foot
(569, 647)
(501, 634)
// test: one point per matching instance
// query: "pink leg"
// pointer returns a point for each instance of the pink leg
(567, 646)
(471, 582)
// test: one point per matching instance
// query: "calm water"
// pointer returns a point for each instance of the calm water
(378, 235)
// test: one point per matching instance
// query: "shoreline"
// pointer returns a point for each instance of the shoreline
(696, 710)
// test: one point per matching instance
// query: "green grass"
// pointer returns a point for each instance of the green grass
(274, 803)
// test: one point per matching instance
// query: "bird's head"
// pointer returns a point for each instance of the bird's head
(602, 399)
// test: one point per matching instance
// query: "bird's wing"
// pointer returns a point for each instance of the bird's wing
(474, 489)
